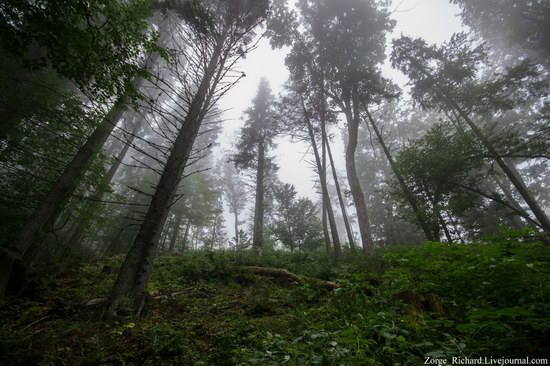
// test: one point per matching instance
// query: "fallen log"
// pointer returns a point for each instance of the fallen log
(283, 273)
(95, 302)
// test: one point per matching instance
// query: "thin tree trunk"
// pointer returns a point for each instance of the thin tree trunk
(445, 228)
(134, 274)
(509, 169)
(195, 238)
(325, 210)
(516, 222)
(186, 235)
(114, 244)
(349, 232)
(326, 234)
(257, 239)
(236, 216)
(324, 190)
(406, 191)
(98, 195)
(352, 116)
(176, 230)
(164, 232)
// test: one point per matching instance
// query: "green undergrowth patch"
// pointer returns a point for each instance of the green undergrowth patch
(438, 300)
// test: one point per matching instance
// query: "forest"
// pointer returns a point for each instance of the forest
(137, 228)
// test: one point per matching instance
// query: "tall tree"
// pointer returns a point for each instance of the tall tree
(235, 195)
(445, 78)
(215, 51)
(343, 46)
(87, 62)
(255, 139)
(300, 119)
(321, 170)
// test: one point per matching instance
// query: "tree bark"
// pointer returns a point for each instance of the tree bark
(114, 244)
(352, 117)
(257, 239)
(443, 224)
(236, 216)
(134, 274)
(349, 231)
(324, 190)
(324, 222)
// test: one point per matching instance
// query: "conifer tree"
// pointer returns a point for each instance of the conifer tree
(256, 138)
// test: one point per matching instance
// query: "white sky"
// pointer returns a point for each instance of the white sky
(433, 20)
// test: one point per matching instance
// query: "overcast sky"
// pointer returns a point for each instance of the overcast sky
(433, 20)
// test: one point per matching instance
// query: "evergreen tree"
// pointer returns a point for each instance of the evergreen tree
(256, 138)
(217, 49)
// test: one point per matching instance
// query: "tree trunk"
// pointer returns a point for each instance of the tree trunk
(134, 274)
(352, 117)
(443, 224)
(349, 231)
(98, 195)
(186, 235)
(324, 190)
(236, 216)
(325, 210)
(326, 234)
(176, 230)
(114, 244)
(509, 169)
(515, 221)
(421, 217)
(257, 239)
(511, 172)
(195, 237)
(66, 184)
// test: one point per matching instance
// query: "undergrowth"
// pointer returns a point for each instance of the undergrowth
(437, 300)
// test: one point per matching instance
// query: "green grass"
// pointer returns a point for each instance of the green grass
(438, 300)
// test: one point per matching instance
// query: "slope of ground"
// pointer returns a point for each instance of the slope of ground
(437, 300)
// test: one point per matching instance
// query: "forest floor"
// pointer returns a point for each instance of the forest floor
(435, 300)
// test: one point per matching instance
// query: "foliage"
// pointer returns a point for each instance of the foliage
(435, 300)
(449, 75)
(296, 224)
(436, 167)
(259, 130)
(96, 44)
(521, 22)
(45, 127)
